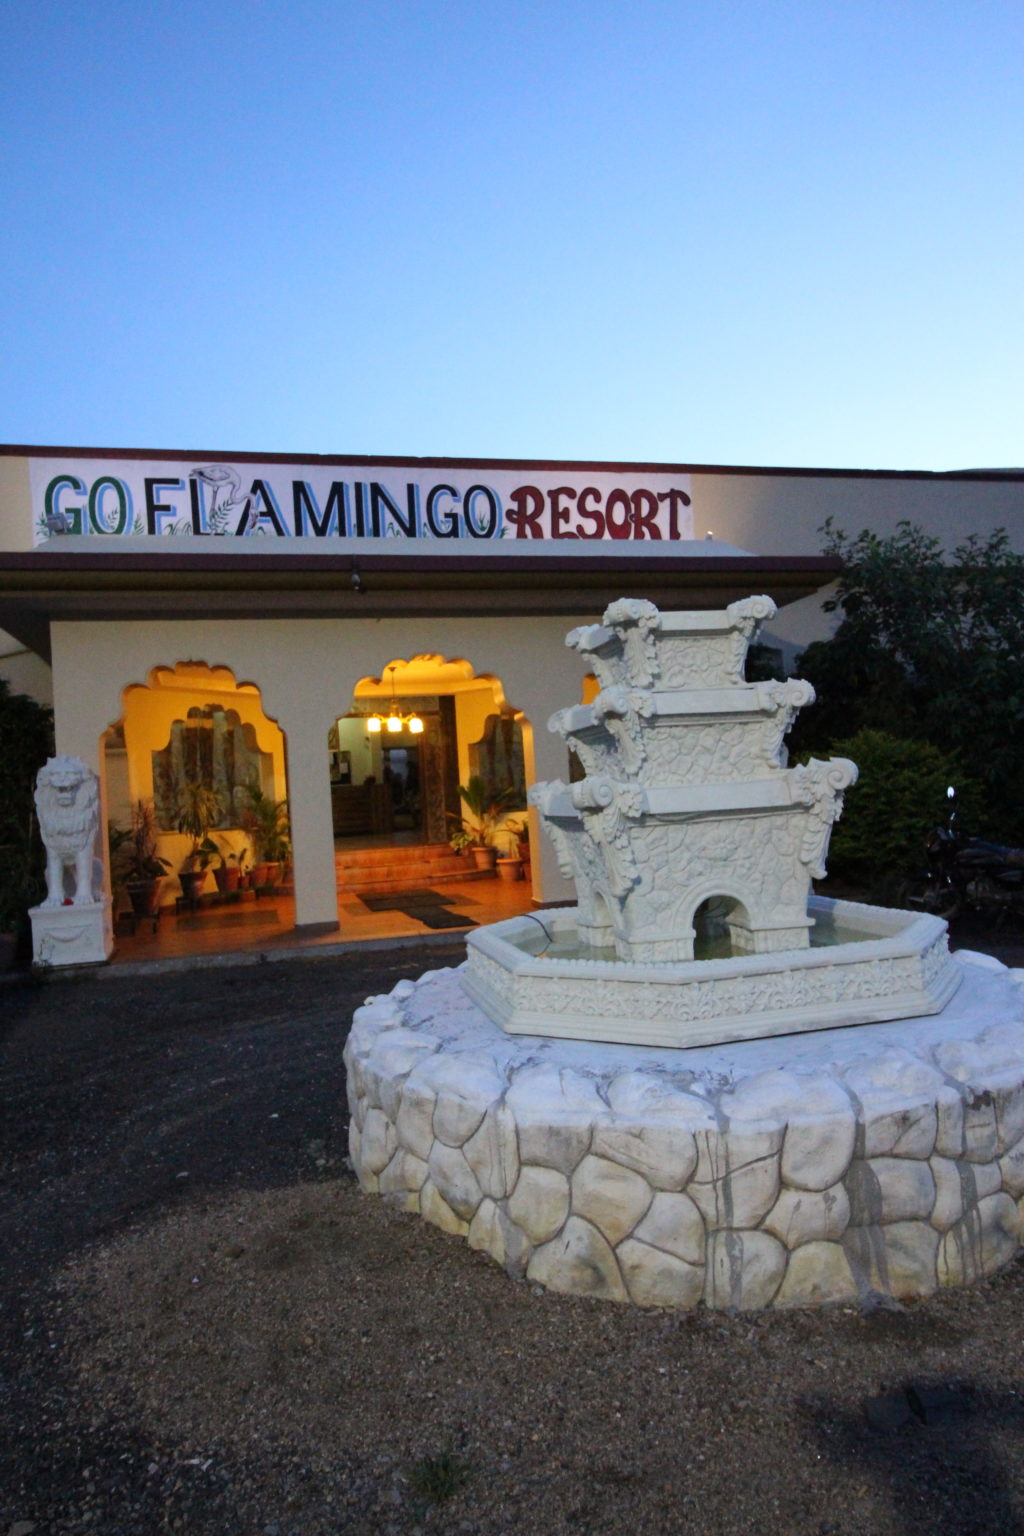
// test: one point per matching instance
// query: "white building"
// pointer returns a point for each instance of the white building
(262, 609)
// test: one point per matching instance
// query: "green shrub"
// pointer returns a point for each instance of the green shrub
(26, 741)
(436, 1478)
(899, 795)
(930, 647)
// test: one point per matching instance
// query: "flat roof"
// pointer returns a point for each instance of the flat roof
(365, 582)
(400, 461)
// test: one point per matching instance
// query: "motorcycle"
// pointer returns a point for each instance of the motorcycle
(966, 874)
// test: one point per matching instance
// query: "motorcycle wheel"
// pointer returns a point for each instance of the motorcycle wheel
(926, 896)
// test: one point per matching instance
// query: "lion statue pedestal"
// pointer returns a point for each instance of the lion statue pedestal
(73, 925)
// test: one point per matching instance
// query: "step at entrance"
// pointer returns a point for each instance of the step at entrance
(399, 868)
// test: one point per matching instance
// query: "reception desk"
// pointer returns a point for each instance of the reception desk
(361, 808)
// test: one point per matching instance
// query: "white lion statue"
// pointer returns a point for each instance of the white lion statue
(67, 800)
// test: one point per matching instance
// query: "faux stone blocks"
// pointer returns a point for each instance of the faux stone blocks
(777, 1173)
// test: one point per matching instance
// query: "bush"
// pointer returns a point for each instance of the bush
(900, 794)
(26, 741)
(930, 647)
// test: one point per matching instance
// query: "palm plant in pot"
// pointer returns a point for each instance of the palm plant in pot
(228, 873)
(134, 862)
(510, 864)
(266, 821)
(485, 810)
(198, 811)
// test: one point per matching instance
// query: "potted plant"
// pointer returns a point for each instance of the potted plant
(510, 864)
(460, 839)
(485, 811)
(523, 843)
(198, 811)
(266, 821)
(228, 873)
(134, 863)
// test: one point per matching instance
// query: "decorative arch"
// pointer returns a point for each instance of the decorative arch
(469, 728)
(723, 892)
(192, 720)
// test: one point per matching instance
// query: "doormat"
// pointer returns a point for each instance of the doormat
(386, 901)
(428, 907)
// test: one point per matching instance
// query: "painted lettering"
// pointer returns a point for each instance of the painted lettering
(623, 529)
(59, 518)
(645, 515)
(303, 501)
(360, 518)
(492, 518)
(381, 499)
(675, 499)
(197, 500)
(596, 516)
(525, 511)
(560, 515)
(333, 518)
(449, 529)
(158, 512)
(98, 519)
(255, 513)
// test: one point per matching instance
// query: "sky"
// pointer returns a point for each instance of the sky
(716, 233)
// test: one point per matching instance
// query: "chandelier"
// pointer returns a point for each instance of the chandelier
(394, 722)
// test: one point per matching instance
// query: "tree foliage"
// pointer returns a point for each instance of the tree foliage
(930, 648)
(900, 793)
(26, 741)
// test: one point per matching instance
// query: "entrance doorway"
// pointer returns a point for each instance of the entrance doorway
(402, 775)
(397, 757)
(399, 780)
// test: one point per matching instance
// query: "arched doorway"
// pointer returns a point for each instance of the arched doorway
(410, 737)
(193, 736)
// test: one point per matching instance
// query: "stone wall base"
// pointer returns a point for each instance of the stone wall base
(884, 1158)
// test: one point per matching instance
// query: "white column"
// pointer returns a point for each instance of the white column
(309, 807)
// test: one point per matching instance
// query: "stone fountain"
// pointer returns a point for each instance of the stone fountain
(648, 1096)
(689, 827)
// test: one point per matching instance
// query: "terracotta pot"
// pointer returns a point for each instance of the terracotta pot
(510, 869)
(144, 896)
(192, 882)
(484, 858)
(265, 875)
(228, 878)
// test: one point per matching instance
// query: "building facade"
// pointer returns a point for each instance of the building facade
(253, 618)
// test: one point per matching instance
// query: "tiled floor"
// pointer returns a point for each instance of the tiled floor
(256, 926)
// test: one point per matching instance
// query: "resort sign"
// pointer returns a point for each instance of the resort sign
(156, 499)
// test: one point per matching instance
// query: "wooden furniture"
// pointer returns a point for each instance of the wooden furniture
(357, 808)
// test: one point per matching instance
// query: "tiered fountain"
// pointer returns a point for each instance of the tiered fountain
(648, 1096)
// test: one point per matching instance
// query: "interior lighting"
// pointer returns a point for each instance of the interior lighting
(394, 721)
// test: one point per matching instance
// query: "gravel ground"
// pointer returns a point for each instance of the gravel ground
(206, 1328)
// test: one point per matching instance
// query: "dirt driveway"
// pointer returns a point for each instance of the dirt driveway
(205, 1328)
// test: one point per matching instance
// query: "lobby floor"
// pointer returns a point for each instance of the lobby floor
(267, 924)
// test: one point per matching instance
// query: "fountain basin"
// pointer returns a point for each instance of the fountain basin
(885, 1159)
(866, 964)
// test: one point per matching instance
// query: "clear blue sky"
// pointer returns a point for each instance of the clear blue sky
(763, 233)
